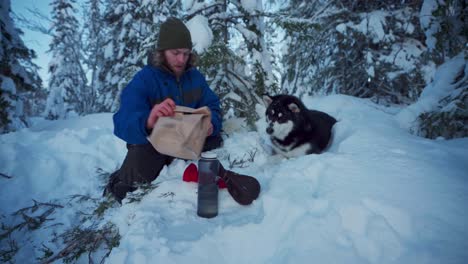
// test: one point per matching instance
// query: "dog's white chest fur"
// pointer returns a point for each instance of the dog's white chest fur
(290, 152)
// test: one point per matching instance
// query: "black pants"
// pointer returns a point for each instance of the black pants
(142, 165)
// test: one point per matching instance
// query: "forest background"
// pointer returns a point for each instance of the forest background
(383, 50)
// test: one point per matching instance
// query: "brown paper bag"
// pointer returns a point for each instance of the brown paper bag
(182, 135)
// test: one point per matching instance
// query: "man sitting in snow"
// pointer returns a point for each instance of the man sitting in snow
(168, 80)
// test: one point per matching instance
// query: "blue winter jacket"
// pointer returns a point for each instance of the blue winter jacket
(150, 86)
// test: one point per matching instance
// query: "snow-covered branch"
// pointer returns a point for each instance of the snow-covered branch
(34, 25)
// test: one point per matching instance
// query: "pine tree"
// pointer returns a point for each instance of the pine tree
(308, 42)
(133, 26)
(94, 36)
(239, 73)
(365, 49)
(445, 27)
(446, 30)
(67, 83)
(19, 80)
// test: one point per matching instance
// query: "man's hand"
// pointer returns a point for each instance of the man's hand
(165, 108)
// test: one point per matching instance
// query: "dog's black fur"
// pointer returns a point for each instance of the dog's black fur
(295, 130)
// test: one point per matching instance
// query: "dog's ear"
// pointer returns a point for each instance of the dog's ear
(267, 100)
(294, 108)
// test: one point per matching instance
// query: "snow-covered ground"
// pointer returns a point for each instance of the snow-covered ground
(378, 195)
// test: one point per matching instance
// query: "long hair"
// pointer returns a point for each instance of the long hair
(157, 59)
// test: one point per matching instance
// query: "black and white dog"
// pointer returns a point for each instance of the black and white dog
(295, 130)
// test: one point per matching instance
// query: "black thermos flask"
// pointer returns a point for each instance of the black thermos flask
(208, 167)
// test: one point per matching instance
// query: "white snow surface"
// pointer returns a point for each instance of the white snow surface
(377, 195)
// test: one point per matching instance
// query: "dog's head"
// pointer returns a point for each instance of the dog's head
(283, 114)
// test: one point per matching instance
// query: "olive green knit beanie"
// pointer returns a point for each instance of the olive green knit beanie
(173, 34)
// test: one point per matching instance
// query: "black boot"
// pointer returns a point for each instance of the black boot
(116, 188)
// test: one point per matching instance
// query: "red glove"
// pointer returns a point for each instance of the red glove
(191, 175)
(165, 108)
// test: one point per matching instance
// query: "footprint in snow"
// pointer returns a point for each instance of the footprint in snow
(375, 231)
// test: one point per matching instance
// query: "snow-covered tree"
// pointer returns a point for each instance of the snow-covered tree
(445, 27)
(260, 56)
(93, 40)
(67, 82)
(20, 84)
(448, 117)
(442, 108)
(446, 30)
(238, 62)
(308, 42)
(133, 27)
(361, 48)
